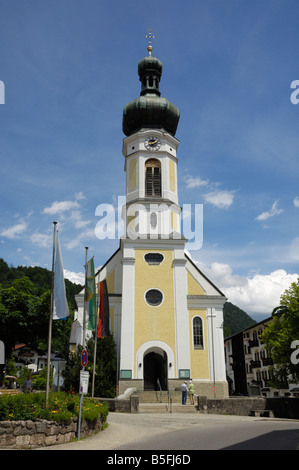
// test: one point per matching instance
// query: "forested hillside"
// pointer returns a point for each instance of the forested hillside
(235, 319)
(40, 277)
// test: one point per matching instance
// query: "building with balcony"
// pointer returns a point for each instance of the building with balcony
(249, 365)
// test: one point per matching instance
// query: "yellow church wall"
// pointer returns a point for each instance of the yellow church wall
(199, 357)
(174, 224)
(154, 323)
(132, 174)
(110, 279)
(171, 176)
(193, 287)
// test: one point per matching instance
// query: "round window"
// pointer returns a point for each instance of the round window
(154, 297)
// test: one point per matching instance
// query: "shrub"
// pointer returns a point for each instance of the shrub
(62, 407)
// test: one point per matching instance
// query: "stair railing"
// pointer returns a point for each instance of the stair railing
(159, 389)
(169, 401)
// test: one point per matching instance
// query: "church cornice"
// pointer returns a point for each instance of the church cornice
(154, 201)
(205, 301)
(155, 243)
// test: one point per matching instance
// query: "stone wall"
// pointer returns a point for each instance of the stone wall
(42, 433)
(281, 407)
(126, 403)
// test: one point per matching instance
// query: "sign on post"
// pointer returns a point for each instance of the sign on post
(84, 379)
(84, 358)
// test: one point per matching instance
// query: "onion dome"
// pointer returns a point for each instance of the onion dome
(150, 110)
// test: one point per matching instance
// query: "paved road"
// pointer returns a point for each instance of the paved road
(179, 431)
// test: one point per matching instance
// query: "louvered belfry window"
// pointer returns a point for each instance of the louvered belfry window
(153, 178)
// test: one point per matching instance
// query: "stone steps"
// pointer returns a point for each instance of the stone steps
(151, 396)
(151, 401)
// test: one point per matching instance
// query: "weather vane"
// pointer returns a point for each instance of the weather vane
(149, 36)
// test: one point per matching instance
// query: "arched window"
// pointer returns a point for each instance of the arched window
(197, 333)
(152, 177)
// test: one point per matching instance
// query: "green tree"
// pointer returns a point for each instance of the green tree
(24, 318)
(280, 334)
(11, 366)
(105, 378)
(105, 371)
(16, 312)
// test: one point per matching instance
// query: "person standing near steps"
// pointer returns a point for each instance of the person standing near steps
(184, 389)
(191, 391)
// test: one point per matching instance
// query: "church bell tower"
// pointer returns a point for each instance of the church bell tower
(153, 249)
(150, 150)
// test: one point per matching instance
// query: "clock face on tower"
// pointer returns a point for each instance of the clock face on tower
(152, 143)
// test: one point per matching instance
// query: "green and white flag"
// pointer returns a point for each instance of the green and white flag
(90, 294)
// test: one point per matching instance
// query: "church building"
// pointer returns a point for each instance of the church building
(165, 315)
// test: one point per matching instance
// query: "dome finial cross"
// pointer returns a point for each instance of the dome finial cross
(149, 36)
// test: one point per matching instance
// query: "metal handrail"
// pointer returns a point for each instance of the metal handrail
(160, 388)
(169, 401)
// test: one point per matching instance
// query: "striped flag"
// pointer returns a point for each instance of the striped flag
(103, 325)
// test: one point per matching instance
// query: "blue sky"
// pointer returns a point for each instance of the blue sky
(69, 68)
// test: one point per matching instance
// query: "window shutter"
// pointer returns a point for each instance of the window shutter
(153, 178)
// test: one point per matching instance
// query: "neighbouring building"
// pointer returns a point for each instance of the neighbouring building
(249, 366)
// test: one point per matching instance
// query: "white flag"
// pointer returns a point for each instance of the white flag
(60, 307)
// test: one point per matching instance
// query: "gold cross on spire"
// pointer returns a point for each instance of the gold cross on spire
(149, 36)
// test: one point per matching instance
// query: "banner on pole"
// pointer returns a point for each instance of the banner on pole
(90, 294)
(60, 306)
(103, 325)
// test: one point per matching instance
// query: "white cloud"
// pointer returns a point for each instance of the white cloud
(220, 199)
(79, 196)
(15, 231)
(261, 293)
(273, 211)
(296, 202)
(77, 278)
(192, 182)
(41, 239)
(62, 206)
(77, 241)
(76, 218)
(256, 294)
(216, 197)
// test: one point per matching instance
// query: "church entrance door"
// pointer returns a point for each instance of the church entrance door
(155, 368)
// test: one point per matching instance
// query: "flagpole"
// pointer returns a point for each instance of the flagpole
(50, 322)
(85, 303)
(95, 345)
